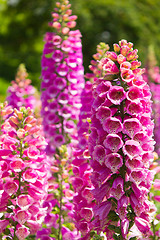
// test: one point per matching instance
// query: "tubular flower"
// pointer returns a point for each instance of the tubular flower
(62, 78)
(121, 145)
(24, 175)
(21, 92)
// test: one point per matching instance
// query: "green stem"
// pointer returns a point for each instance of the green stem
(60, 202)
(154, 231)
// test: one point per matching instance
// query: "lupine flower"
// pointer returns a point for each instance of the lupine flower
(117, 141)
(24, 175)
(21, 92)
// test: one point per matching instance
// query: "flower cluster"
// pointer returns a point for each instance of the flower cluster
(21, 92)
(62, 78)
(83, 199)
(121, 145)
(58, 221)
(24, 175)
(61, 87)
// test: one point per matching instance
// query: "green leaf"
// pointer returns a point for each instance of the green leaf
(113, 216)
(114, 228)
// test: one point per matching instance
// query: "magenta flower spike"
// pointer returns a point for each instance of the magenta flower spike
(24, 174)
(84, 200)
(62, 78)
(21, 93)
(62, 83)
(121, 145)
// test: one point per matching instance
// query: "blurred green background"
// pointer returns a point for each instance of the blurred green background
(23, 24)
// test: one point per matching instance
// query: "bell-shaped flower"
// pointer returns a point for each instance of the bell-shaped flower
(113, 142)
(116, 94)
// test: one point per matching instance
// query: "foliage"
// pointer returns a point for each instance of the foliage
(24, 23)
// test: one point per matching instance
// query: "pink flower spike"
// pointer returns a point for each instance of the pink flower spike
(114, 161)
(132, 149)
(113, 142)
(116, 95)
(112, 125)
(22, 233)
(131, 126)
(99, 154)
(10, 187)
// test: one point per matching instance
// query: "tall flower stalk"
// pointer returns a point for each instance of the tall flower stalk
(61, 87)
(62, 78)
(21, 93)
(24, 175)
(121, 145)
(84, 200)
